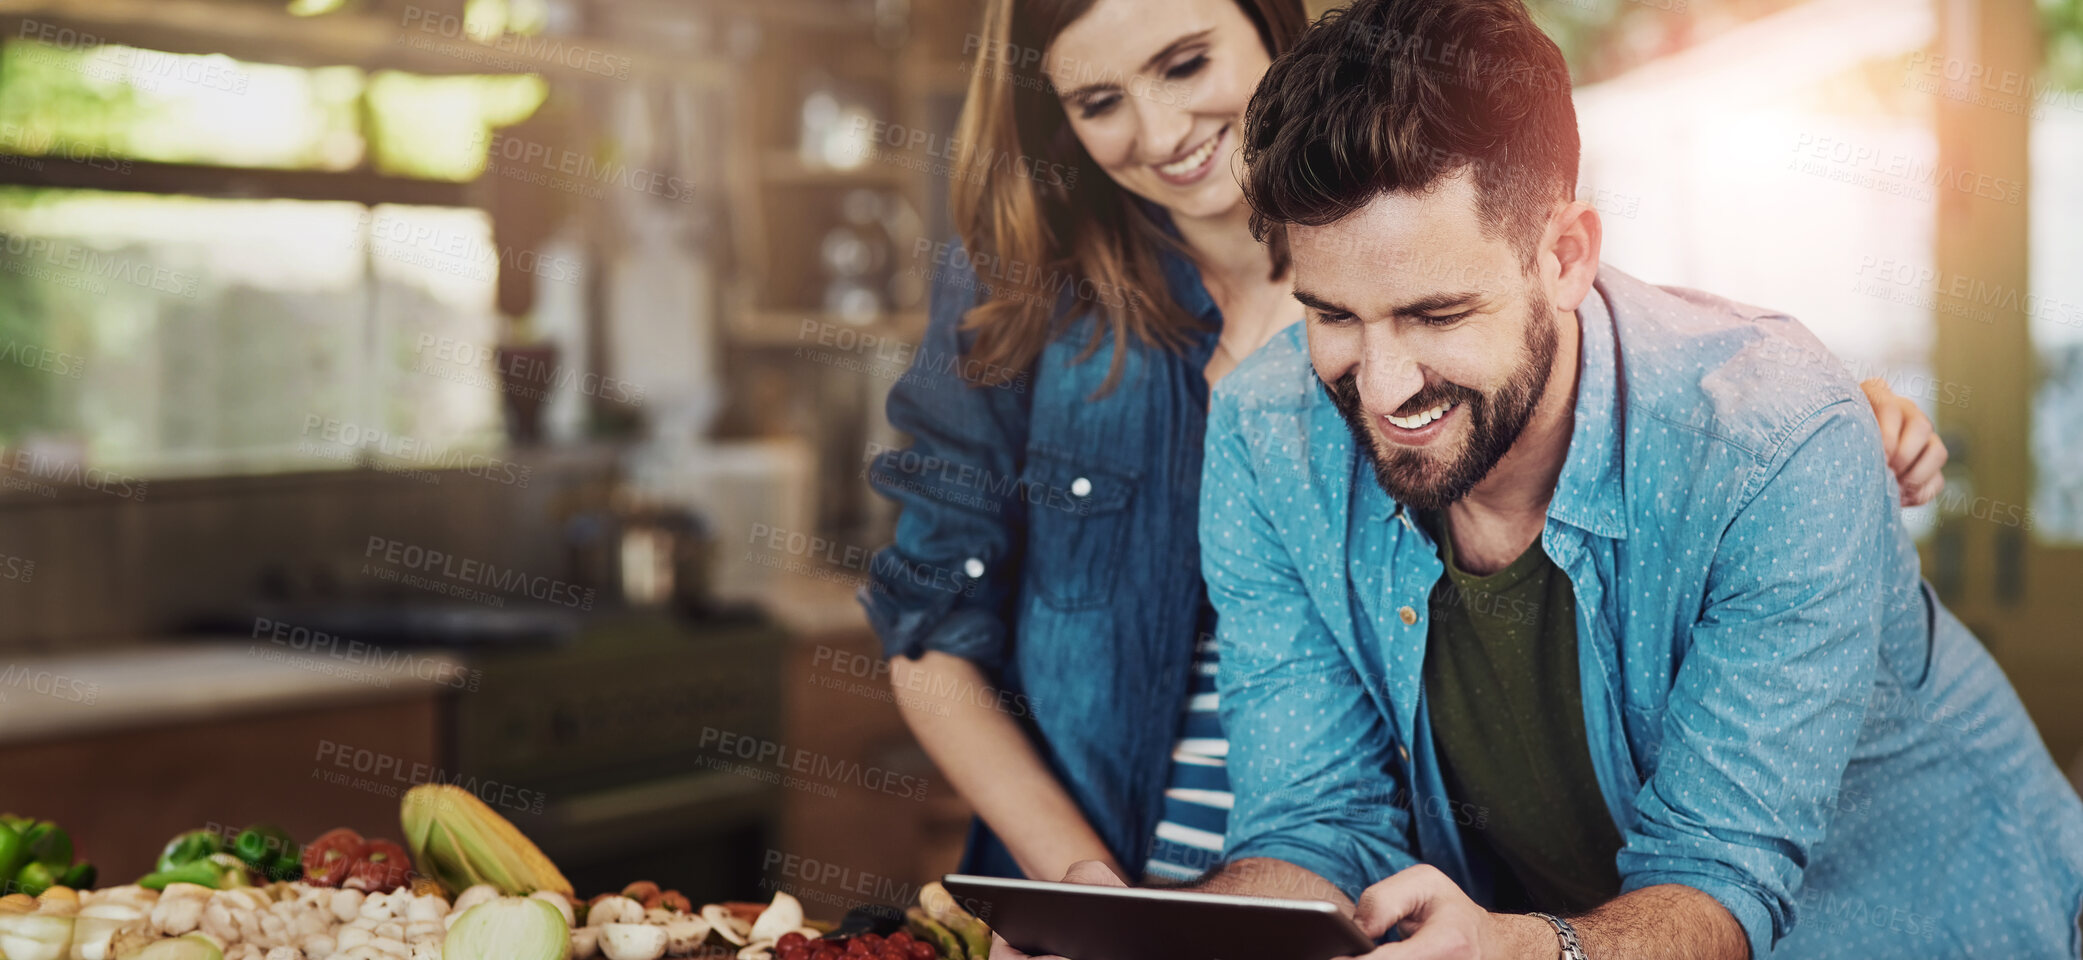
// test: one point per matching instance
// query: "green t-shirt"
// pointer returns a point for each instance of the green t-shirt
(1507, 717)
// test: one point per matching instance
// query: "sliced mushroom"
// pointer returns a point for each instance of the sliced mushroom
(614, 910)
(684, 935)
(632, 941)
(727, 925)
(784, 915)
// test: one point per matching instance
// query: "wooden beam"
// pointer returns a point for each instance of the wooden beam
(420, 38)
(139, 176)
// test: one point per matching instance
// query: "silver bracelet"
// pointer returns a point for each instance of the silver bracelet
(1567, 935)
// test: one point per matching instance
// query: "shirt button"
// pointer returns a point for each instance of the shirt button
(1408, 615)
(1404, 752)
(973, 567)
(1080, 487)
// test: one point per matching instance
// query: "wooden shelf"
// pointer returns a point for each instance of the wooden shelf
(785, 168)
(820, 330)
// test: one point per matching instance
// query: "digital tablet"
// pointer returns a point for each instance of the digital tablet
(1128, 923)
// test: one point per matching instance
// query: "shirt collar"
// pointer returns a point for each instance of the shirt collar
(1591, 492)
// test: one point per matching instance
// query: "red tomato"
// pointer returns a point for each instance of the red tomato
(380, 866)
(328, 858)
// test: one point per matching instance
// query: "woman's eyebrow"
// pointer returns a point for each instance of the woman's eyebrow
(1155, 59)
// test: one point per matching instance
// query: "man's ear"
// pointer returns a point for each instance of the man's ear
(1569, 258)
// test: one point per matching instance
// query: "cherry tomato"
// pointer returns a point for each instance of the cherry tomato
(920, 950)
(328, 858)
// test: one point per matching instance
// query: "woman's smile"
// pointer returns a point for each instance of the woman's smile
(1193, 166)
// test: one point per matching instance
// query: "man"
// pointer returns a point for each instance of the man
(1545, 592)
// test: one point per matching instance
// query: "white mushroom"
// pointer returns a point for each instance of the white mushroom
(350, 937)
(380, 907)
(684, 935)
(757, 950)
(784, 915)
(420, 930)
(428, 907)
(585, 942)
(180, 908)
(617, 909)
(558, 900)
(726, 924)
(632, 941)
(473, 896)
(347, 904)
(274, 928)
(311, 918)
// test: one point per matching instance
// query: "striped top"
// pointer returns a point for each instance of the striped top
(1197, 796)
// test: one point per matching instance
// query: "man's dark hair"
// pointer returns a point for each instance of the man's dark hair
(1393, 95)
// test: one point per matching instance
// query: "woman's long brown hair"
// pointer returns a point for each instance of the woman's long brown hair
(1037, 215)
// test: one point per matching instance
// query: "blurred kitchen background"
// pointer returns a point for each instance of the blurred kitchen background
(480, 390)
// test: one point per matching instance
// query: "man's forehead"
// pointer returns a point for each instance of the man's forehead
(1396, 222)
(1411, 241)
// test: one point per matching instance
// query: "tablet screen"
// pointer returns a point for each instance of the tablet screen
(1129, 923)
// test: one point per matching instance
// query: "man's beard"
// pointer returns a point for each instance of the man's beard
(1414, 477)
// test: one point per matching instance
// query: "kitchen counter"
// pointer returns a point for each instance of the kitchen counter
(45, 697)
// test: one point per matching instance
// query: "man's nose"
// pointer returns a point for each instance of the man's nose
(1388, 377)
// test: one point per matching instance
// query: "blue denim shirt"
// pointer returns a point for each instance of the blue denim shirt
(1047, 533)
(1779, 713)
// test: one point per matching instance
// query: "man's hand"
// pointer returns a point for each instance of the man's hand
(1089, 872)
(1439, 922)
(1914, 451)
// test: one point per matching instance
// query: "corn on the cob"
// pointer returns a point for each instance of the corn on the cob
(460, 842)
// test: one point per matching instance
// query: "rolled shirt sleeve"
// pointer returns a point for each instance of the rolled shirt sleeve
(1767, 705)
(1311, 761)
(948, 580)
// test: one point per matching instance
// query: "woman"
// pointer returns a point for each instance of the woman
(1042, 606)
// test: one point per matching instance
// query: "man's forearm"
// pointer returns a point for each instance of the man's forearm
(1668, 921)
(1266, 877)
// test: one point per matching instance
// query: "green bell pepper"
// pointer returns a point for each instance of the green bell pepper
(12, 856)
(34, 879)
(49, 844)
(218, 871)
(80, 877)
(268, 849)
(189, 848)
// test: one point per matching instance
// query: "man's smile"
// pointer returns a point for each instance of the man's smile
(1421, 428)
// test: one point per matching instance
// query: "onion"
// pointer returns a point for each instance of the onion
(509, 928)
